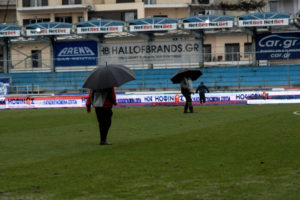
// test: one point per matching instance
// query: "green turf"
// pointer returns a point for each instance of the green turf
(219, 152)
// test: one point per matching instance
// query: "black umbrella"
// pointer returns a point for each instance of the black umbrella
(193, 73)
(108, 76)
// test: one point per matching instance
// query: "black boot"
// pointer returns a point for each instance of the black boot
(185, 108)
(191, 107)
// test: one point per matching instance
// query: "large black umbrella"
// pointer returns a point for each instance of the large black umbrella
(193, 73)
(108, 76)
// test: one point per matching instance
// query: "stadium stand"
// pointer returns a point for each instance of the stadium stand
(220, 78)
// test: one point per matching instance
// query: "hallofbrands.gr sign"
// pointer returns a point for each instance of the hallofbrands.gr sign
(204, 25)
(278, 46)
(151, 52)
(104, 29)
(14, 33)
(263, 22)
(76, 53)
(152, 27)
(52, 31)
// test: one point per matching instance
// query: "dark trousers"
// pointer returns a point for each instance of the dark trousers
(202, 97)
(188, 101)
(104, 116)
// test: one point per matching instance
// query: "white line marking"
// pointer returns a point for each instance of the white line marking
(296, 113)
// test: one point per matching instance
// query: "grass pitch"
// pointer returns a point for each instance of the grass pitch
(219, 152)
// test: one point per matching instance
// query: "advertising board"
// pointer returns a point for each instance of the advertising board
(208, 25)
(152, 27)
(76, 53)
(152, 99)
(151, 52)
(51, 31)
(263, 22)
(279, 46)
(100, 29)
(12, 33)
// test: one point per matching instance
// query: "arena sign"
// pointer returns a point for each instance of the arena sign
(278, 46)
(151, 52)
(263, 22)
(51, 31)
(105, 29)
(76, 53)
(208, 25)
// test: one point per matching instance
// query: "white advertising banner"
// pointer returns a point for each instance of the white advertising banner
(208, 25)
(152, 27)
(185, 51)
(102, 29)
(52, 31)
(263, 22)
(153, 99)
(12, 33)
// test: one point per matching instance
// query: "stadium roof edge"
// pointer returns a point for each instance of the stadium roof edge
(47, 25)
(211, 18)
(153, 20)
(9, 27)
(100, 22)
(264, 15)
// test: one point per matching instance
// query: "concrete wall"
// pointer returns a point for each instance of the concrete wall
(21, 59)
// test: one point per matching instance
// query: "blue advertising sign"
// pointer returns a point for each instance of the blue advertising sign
(76, 53)
(278, 46)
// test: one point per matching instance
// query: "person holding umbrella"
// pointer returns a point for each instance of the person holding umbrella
(185, 77)
(102, 81)
(186, 90)
(102, 101)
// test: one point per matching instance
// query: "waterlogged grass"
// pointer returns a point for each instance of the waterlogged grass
(219, 152)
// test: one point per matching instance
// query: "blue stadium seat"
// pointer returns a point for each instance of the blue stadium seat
(229, 76)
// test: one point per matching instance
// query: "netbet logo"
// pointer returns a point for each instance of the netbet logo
(278, 41)
(76, 51)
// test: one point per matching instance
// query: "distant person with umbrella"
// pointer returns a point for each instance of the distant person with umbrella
(102, 81)
(185, 77)
(186, 90)
(202, 89)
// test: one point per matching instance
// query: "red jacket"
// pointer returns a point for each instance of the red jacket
(109, 101)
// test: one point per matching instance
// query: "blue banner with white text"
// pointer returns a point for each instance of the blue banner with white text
(76, 53)
(278, 46)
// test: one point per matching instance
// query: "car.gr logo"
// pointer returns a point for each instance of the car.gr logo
(277, 41)
(76, 51)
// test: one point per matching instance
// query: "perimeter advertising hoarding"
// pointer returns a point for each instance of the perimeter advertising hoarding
(148, 99)
(2, 103)
(279, 46)
(158, 52)
(76, 53)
